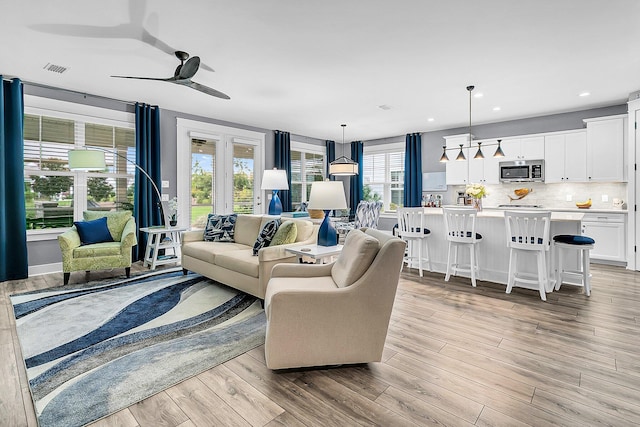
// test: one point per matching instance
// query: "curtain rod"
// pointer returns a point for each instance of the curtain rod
(75, 92)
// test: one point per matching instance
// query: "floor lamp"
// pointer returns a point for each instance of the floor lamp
(327, 195)
(93, 160)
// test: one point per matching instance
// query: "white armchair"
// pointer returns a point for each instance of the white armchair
(334, 313)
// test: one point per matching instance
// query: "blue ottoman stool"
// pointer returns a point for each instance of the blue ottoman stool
(583, 244)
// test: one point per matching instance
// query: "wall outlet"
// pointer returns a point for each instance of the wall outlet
(569, 197)
(165, 197)
(165, 184)
(605, 197)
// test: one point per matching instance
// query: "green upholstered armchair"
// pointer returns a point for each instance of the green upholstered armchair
(99, 256)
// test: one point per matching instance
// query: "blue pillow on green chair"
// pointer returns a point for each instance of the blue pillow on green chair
(94, 231)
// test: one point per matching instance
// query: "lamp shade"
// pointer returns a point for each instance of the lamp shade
(86, 160)
(275, 179)
(343, 167)
(327, 195)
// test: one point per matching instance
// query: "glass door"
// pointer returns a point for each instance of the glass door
(203, 181)
(246, 193)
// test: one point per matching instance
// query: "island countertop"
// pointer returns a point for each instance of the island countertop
(499, 213)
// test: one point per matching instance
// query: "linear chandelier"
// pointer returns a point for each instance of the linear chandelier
(343, 166)
(479, 154)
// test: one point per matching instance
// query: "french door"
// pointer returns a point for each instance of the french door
(218, 171)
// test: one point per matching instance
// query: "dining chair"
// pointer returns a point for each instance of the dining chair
(460, 232)
(411, 228)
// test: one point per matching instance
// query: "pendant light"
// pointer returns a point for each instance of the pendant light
(479, 154)
(444, 157)
(343, 166)
(499, 152)
(461, 154)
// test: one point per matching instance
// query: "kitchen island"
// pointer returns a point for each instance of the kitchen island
(493, 253)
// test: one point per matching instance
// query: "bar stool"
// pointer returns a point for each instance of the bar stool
(528, 233)
(411, 228)
(460, 231)
(583, 244)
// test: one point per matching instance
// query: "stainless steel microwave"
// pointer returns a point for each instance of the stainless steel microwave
(522, 171)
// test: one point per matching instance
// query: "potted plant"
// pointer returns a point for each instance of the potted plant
(173, 212)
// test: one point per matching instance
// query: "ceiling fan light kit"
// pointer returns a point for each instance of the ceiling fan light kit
(183, 74)
(479, 155)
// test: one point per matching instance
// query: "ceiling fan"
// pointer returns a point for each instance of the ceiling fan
(183, 74)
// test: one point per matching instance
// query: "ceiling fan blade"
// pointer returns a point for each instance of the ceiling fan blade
(170, 79)
(203, 88)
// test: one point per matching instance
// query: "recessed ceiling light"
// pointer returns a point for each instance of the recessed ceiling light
(430, 119)
(497, 108)
(584, 94)
(478, 95)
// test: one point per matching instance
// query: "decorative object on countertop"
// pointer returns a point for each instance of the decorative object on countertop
(477, 192)
(584, 205)
(520, 193)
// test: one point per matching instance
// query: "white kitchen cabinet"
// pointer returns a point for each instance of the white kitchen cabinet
(605, 149)
(484, 171)
(609, 232)
(565, 157)
(524, 148)
(457, 170)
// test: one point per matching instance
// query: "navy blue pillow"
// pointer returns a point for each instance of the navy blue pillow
(573, 239)
(95, 231)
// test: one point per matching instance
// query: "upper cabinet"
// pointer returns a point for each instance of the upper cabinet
(457, 170)
(523, 148)
(565, 157)
(605, 149)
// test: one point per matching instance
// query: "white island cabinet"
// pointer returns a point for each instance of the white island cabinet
(493, 252)
(609, 232)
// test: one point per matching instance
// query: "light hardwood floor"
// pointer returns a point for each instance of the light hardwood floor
(454, 355)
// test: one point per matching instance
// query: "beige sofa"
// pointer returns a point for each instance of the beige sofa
(234, 264)
(336, 313)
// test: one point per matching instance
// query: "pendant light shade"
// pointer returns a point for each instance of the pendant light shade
(499, 152)
(479, 154)
(343, 166)
(444, 157)
(461, 154)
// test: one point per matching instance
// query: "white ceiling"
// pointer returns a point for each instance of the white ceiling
(307, 66)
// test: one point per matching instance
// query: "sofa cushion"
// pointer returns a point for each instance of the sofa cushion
(220, 228)
(95, 231)
(287, 233)
(115, 221)
(241, 261)
(305, 229)
(266, 235)
(98, 250)
(248, 227)
(207, 251)
(357, 255)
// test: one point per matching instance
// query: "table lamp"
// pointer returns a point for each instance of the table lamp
(327, 196)
(275, 179)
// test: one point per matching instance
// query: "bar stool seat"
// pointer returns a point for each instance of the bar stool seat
(583, 244)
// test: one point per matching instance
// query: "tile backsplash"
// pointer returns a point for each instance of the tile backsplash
(550, 195)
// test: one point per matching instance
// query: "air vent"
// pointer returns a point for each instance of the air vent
(55, 68)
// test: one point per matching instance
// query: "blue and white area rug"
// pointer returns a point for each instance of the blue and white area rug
(91, 351)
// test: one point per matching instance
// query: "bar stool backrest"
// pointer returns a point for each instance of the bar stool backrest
(460, 224)
(528, 230)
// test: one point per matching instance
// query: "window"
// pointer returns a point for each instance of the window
(307, 166)
(383, 175)
(56, 196)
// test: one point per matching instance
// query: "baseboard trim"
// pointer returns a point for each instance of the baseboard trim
(38, 270)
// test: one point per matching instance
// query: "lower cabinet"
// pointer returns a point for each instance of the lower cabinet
(609, 232)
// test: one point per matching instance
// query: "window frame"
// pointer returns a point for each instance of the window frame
(79, 113)
(304, 148)
(387, 149)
